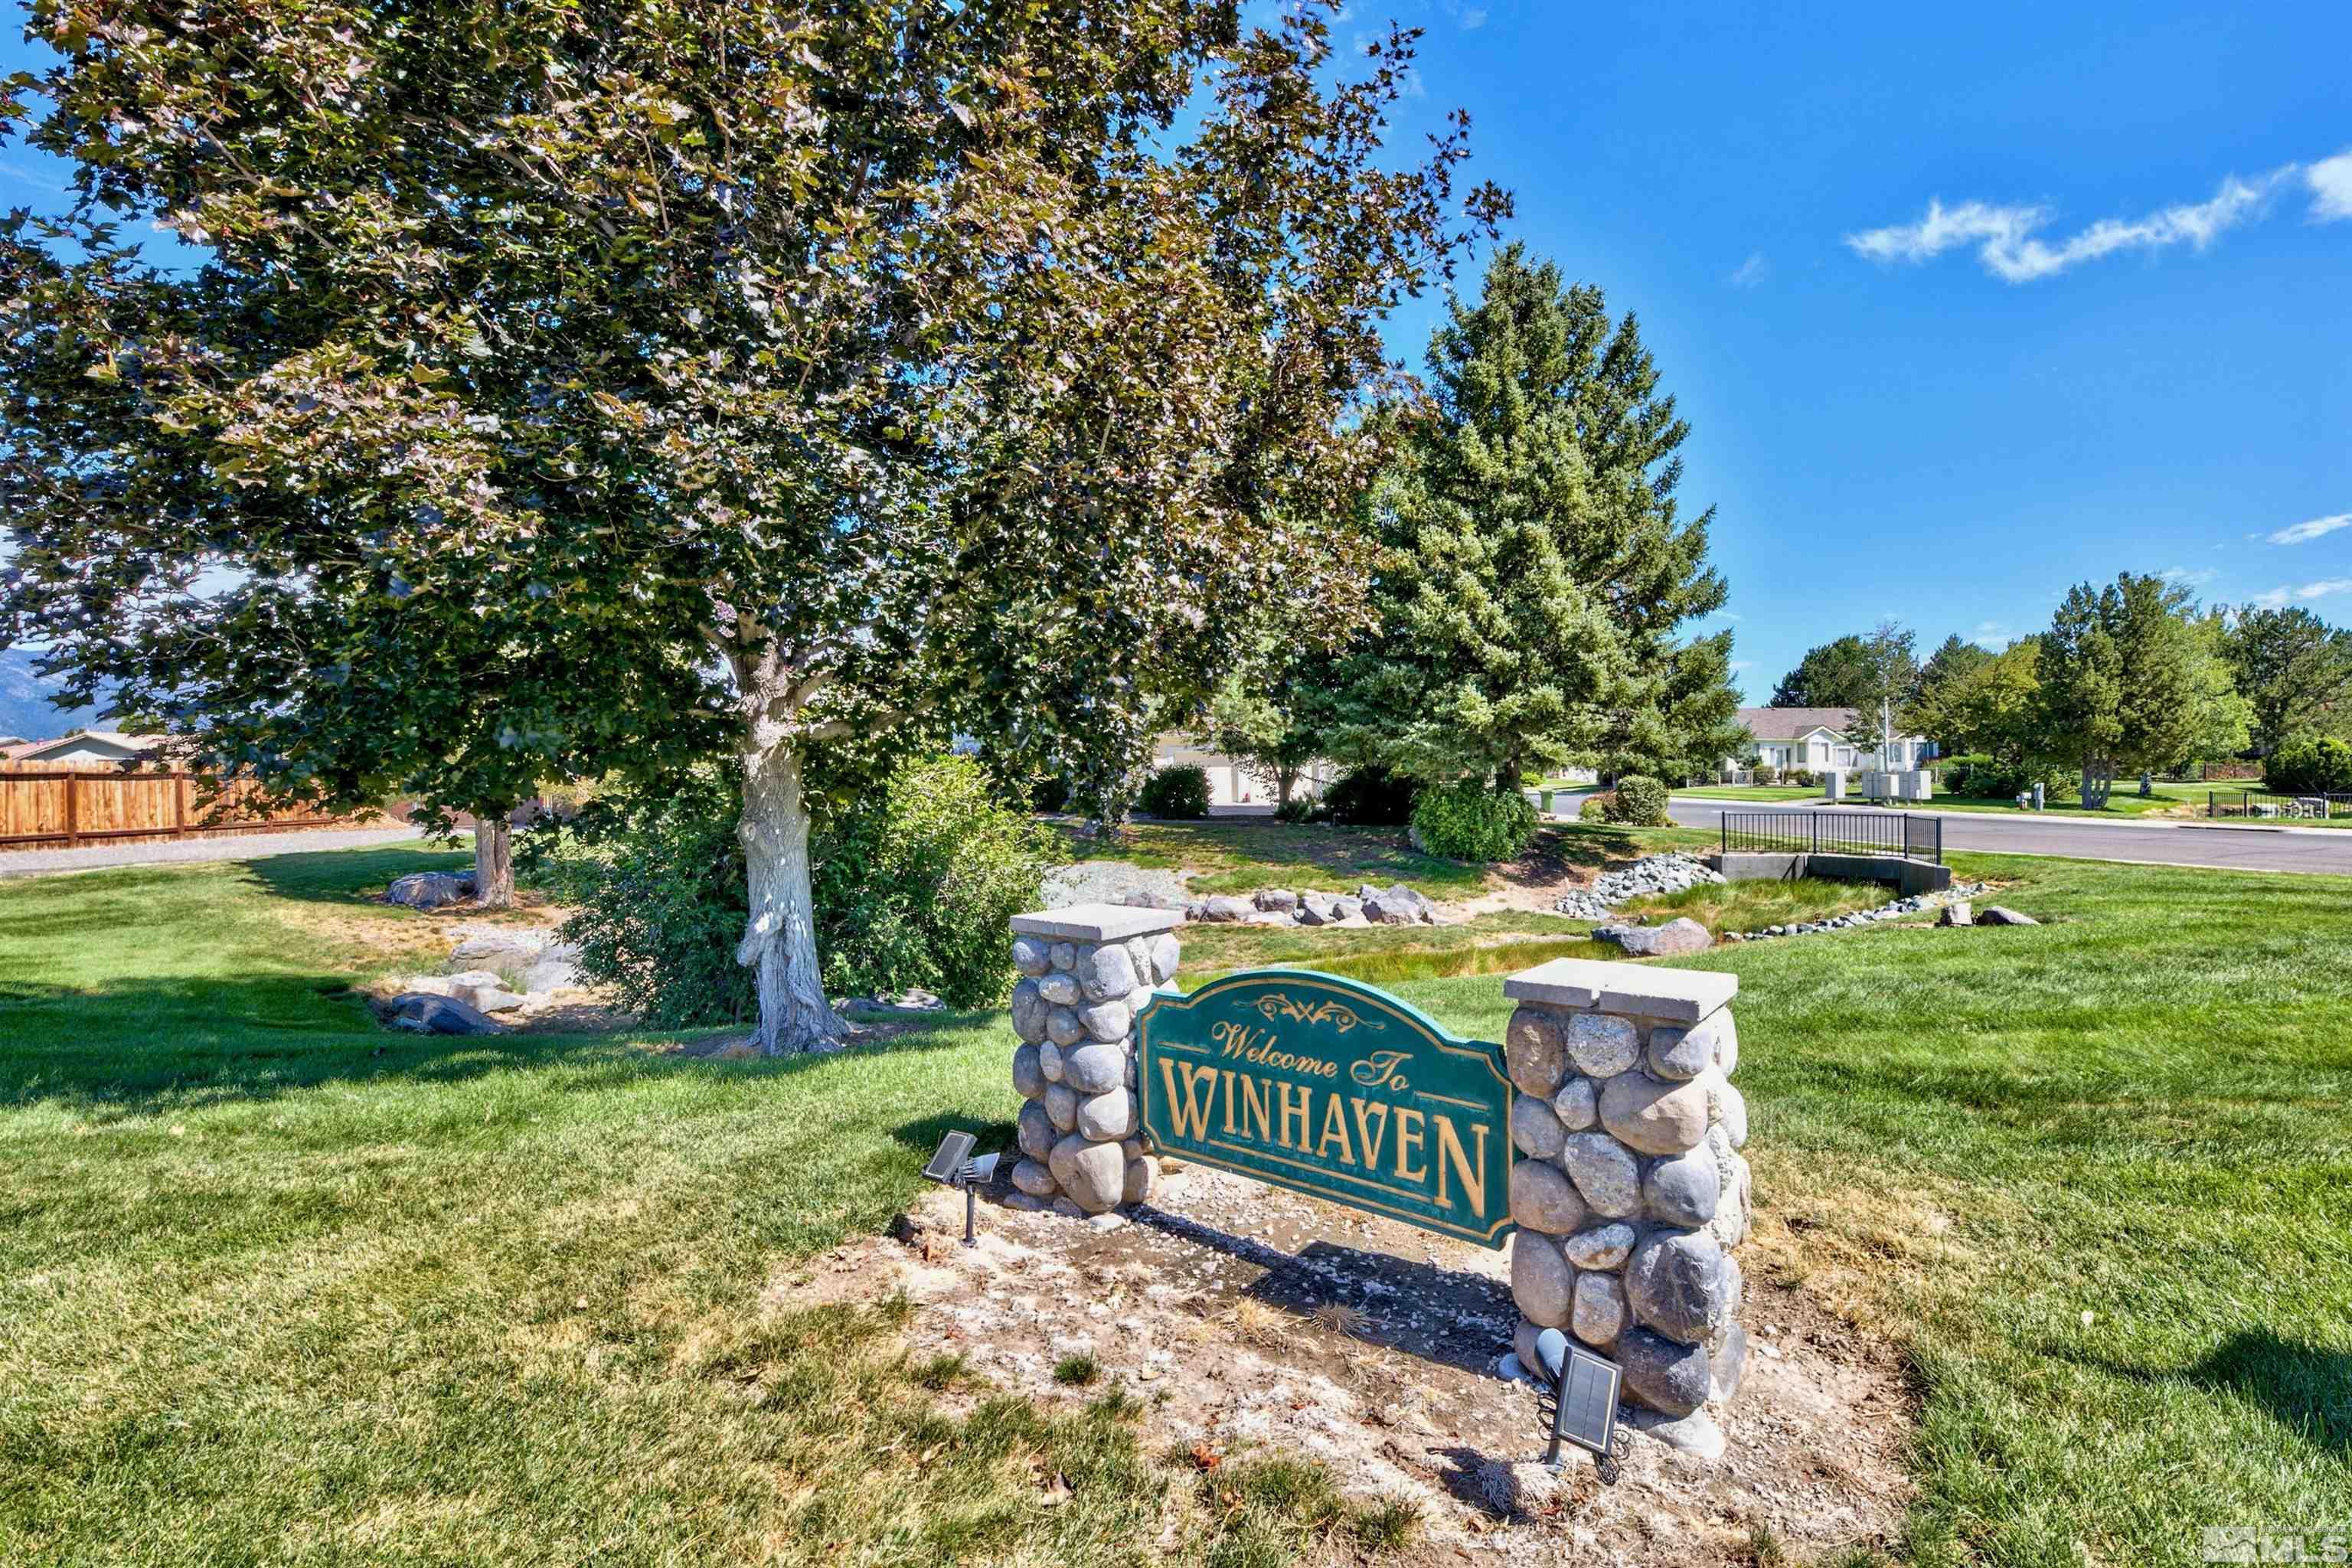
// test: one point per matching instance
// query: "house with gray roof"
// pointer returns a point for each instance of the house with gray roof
(1816, 739)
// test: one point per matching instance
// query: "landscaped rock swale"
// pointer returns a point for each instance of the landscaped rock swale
(1395, 905)
(1949, 901)
(493, 969)
(1646, 877)
(1086, 973)
(1627, 1227)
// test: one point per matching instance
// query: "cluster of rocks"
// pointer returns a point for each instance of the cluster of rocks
(1396, 905)
(1630, 1190)
(493, 969)
(1952, 901)
(1682, 934)
(1650, 875)
(1086, 973)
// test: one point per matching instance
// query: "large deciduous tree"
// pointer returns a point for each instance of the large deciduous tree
(2293, 670)
(2130, 679)
(620, 384)
(1535, 574)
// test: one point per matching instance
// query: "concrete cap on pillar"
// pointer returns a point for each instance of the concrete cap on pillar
(1097, 923)
(1679, 995)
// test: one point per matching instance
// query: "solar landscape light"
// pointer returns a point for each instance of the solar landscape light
(951, 1165)
(1579, 1401)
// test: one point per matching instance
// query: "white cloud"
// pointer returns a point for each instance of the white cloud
(1752, 271)
(2303, 533)
(1473, 18)
(2330, 180)
(1737, 665)
(2188, 579)
(2319, 590)
(1994, 636)
(2006, 244)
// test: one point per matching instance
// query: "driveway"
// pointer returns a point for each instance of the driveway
(2328, 849)
(227, 847)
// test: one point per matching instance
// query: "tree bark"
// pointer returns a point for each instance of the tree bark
(779, 942)
(1285, 779)
(2098, 777)
(493, 861)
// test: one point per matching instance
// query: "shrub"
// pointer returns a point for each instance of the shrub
(1597, 807)
(1050, 793)
(1298, 808)
(1638, 801)
(1984, 779)
(1803, 778)
(2312, 764)
(1765, 773)
(1369, 797)
(1470, 821)
(1180, 791)
(913, 884)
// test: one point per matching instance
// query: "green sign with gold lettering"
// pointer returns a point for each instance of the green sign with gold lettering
(1335, 1089)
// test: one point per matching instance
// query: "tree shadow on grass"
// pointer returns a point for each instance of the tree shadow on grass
(348, 876)
(2307, 1388)
(126, 1050)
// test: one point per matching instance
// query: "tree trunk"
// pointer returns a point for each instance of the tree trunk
(493, 861)
(2097, 777)
(779, 942)
(1284, 780)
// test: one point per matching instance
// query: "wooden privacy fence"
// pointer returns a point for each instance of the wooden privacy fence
(54, 807)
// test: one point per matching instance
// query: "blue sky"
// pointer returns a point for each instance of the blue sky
(1963, 304)
(2125, 346)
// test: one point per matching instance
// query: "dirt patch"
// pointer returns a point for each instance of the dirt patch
(1251, 1320)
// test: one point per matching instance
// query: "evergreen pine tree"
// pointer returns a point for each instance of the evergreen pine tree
(1534, 573)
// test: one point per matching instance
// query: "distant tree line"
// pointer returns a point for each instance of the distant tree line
(2129, 676)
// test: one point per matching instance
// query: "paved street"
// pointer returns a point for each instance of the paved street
(227, 847)
(2169, 844)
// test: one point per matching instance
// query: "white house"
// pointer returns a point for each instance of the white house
(1231, 784)
(1815, 739)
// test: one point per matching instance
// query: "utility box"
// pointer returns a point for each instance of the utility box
(1834, 784)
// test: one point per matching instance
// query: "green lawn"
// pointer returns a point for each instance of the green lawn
(2124, 803)
(277, 1287)
(1241, 855)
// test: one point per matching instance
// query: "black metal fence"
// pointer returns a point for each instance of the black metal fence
(1834, 833)
(2262, 805)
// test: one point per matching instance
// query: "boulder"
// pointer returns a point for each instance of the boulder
(496, 944)
(1601, 1046)
(1062, 1026)
(1050, 1058)
(1167, 952)
(1542, 1280)
(1728, 1108)
(550, 974)
(485, 991)
(1107, 1021)
(1695, 1434)
(1107, 972)
(1684, 1190)
(1029, 1010)
(1533, 1052)
(1346, 909)
(1032, 955)
(1535, 1131)
(1222, 910)
(430, 890)
(1542, 1199)
(1108, 1115)
(1676, 936)
(1061, 988)
(1597, 1310)
(1095, 1068)
(1028, 1075)
(1092, 1175)
(1274, 900)
(429, 1014)
(1959, 914)
(1399, 905)
(1035, 1130)
(1604, 1247)
(1035, 1179)
(1063, 955)
(1142, 1175)
(1679, 1053)
(1578, 1104)
(1678, 1285)
(1727, 1366)
(1653, 1115)
(1061, 1104)
(1662, 1375)
(1605, 1173)
(2002, 915)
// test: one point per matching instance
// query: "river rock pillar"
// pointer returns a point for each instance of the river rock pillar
(1086, 973)
(1627, 1183)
